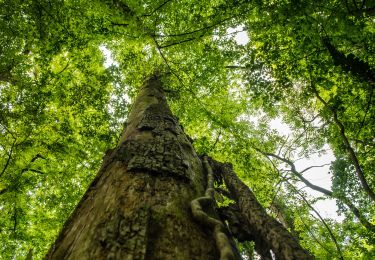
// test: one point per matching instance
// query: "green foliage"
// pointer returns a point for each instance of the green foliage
(61, 108)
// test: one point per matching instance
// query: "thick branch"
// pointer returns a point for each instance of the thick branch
(242, 230)
(282, 243)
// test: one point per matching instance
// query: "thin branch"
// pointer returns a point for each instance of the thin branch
(120, 24)
(179, 42)
(201, 103)
(298, 174)
(315, 166)
(216, 141)
(236, 67)
(322, 220)
(10, 132)
(367, 109)
(3, 191)
(166, 61)
(66, 66)
(15, 218)
(285, 141)
(313, 235)
(31, 170)
(200, 29)
(9, 158)
(38, 156)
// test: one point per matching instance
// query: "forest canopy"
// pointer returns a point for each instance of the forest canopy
(307, 64)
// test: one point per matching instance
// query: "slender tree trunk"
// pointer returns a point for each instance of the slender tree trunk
(138, 207)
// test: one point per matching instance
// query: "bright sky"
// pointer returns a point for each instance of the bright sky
(108, 60)
(240, 35)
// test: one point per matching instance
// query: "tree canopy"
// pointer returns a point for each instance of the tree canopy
(310, 64)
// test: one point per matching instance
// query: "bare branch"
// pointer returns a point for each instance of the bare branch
(298, 174)
(369, 226)
(314, 166)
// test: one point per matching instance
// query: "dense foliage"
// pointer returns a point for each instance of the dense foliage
(310, 64)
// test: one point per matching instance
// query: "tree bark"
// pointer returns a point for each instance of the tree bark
(138, 207)
(242, 230)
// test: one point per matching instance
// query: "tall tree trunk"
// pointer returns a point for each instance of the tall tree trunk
(138, 207)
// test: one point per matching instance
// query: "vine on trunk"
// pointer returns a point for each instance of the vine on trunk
(201, 205)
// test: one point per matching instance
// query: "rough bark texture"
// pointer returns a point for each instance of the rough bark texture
(203, 209)
(241, 229)
(138, 207)
(266, 228)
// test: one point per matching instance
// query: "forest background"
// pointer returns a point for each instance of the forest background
(307, 64)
